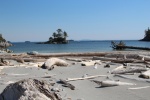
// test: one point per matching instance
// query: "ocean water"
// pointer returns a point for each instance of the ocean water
(72, 47)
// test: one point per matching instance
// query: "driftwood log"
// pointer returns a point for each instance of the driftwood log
(103, 58)
(49, 64)
(145, 74)
(70, 54)
(122, 56)
(3, 63)
(132, 78)
(116, 60)
(136, 88)
(74, 59)
(110, 83)
(123, 61)
(87, 77)
(119, 68)
(22, 60)
(145, 58)
(66, 84)
(29, 89)
(135, 70)
(33, 60)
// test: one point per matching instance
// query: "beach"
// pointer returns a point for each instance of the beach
(78, 73)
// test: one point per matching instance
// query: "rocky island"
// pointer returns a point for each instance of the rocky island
(147, 35)
(58, 37)
(4, 44)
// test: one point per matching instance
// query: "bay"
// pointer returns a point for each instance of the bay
(73, 46)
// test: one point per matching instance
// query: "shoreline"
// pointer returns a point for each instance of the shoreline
(84, 89)
(100, 52)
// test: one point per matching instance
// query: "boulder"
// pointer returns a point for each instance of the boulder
(29, 89)
(32, 53)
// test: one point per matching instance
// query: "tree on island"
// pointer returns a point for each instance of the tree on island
(59, 37)
(147, 35)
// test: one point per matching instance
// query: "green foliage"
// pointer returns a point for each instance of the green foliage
(59, 31)
(54, 34)
(147, 35)
(147, 32)
(58, 37)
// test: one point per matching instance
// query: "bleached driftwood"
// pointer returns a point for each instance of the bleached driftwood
(136, 70)
(145, 58)
(123, 61)
(87, 77)
(131, 78)
(109, 83)
(90, 63)
(49, 64)
(74, 59)
(138, 65)
(121, 67)
(145, 74)
(103, 58)
(71, 54)
(133, 56)
(66, 84)
(12, 58)
(33, 60)
(115, 59)
(29, 89)
(136, 88)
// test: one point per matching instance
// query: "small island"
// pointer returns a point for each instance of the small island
(59, 37)
(147, 35)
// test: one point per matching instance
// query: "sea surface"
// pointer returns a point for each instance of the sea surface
(72, 47)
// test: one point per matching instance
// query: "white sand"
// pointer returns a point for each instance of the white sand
(85, 89)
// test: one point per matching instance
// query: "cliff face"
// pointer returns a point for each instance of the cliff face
(147, 35)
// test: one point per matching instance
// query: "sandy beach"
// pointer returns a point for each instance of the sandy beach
(85, 89)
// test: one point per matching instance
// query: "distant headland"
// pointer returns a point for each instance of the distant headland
(147, 35)
(59, 37)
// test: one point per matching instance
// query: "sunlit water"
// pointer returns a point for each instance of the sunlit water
(74, 46)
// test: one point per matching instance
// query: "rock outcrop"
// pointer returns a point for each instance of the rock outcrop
(29, 89)
(4, 44)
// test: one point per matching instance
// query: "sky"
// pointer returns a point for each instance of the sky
(36, 20)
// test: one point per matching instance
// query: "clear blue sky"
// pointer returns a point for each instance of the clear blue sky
(36, 20)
